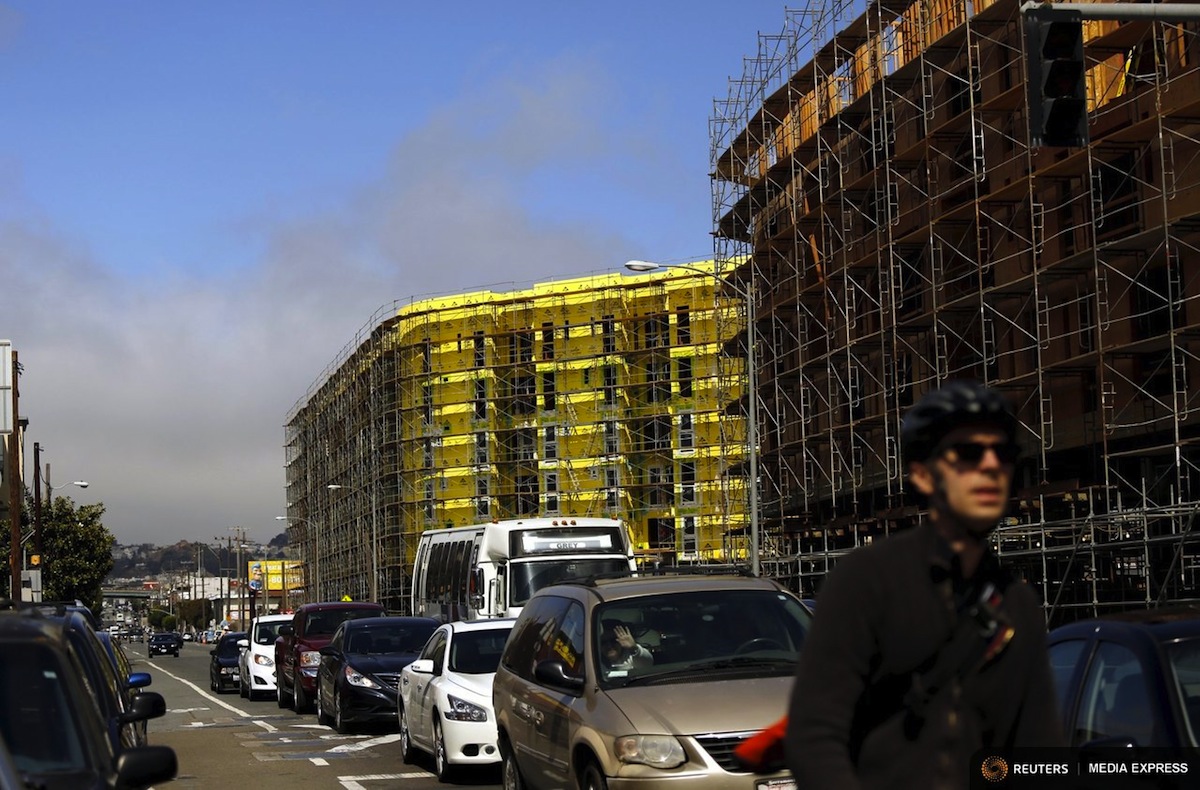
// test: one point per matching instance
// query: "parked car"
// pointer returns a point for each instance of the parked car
(1131, 679)
(713, 664)
(445, 703)
(51, 720)
(133, 681)
(297, 650)
(360, 668)
(223, 666)
(113, 694)
(256, 663)
(162, 644)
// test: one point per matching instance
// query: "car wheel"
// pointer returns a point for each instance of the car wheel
(299, 700)
(510, 773)
(284, 700)
(441, 763)
(212, 684)
(323, 716)
(593, 778)
(406, 746)
(243, 689)
(339, 721)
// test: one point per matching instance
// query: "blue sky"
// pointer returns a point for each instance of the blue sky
(201, 204)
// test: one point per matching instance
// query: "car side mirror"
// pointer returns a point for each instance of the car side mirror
(330, 650)
(286, 630)
(212, 652)
(243, 643)
(147, 705)
(422, 666)
(553, 672)
(138, 680)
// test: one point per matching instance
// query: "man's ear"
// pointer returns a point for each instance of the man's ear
(921, 478)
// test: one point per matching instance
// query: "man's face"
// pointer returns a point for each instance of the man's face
(968, 477)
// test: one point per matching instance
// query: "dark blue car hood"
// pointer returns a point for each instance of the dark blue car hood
(371, 663)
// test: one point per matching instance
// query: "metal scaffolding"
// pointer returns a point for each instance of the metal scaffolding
(873, 176)
(594, 396)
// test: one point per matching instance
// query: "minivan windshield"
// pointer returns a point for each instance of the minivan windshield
(661, 638)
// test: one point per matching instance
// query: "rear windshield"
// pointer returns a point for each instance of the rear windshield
(325, 623)
(39, 724)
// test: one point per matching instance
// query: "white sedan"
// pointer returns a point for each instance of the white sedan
(256, 663)
(445, 701)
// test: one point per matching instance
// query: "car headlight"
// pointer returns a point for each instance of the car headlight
(356, 678)
(657, 751)
(263, 660)
(310, 658)
(461, 710)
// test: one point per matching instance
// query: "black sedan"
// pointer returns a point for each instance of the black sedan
(359, 674)
(1131, 679)
(223, 668)
(163, 645)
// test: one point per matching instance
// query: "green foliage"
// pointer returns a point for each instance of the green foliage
(77, 552)
(196, 613)
(169, 623)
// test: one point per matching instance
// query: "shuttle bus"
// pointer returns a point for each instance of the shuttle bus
(491, 570)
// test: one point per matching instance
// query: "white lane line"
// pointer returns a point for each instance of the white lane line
(367, 744)
(205, 693)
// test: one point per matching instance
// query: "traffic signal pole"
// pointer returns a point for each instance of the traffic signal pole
(1057, 69)
(1160, 12)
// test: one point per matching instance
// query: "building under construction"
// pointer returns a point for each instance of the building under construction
(873, 178)
(596, 396)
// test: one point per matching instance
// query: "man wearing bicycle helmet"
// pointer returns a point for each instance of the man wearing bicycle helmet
(923, 651)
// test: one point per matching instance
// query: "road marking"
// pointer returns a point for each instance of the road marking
(367, 744)
(318, 761)
(356, 782)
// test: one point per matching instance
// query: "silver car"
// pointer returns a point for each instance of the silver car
(645, 682)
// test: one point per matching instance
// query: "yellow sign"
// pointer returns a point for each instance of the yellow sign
(273, 577)
(347, 598)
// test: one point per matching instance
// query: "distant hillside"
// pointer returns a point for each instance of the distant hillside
(147, 560)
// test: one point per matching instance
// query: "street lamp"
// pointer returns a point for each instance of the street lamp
(374, 539)
(37, 494)
(747, 295)
(312, 561)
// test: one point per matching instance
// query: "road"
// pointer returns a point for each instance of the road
(222, 737)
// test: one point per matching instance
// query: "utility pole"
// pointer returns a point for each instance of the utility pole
(240, 532)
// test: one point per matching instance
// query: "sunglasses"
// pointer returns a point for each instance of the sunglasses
(973, 452)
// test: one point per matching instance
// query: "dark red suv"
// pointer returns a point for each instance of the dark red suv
(298, 647)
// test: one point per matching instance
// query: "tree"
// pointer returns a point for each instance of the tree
(77, 552)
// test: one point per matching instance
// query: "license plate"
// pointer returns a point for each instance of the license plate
(779, 783)
(236, 677)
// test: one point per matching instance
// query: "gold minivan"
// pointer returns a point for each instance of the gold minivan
(645, 682)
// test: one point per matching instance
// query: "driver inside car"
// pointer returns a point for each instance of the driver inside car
(620, 650)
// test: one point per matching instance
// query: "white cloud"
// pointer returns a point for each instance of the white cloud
(168, 391)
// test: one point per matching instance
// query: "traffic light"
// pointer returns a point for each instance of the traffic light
(1056, 71)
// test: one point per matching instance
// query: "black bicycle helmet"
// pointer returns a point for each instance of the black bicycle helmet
(955, 404)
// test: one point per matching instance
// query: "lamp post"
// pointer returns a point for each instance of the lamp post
(374, 540)
(312, 581)
(38, 479)
(747, 295)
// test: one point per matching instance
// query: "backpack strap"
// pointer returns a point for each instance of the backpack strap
(983, 631)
